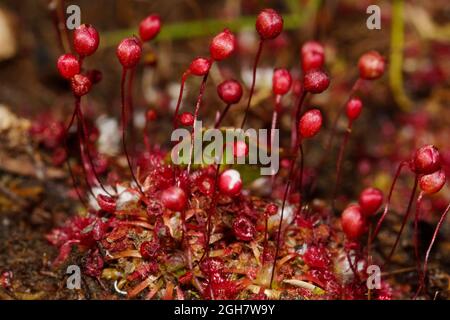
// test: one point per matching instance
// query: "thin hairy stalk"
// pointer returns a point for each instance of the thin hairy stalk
(252, 88)
(286, 192)
(388, 202)
(405, 219)
(339, 163)
(88, 153)
(430, 246)
(416, 231)
(124, 127)
(180, 97)
(69, 167)
(300, 180)
(327, 149)
(354, 88)
(298, 112)
(222, 116)
(194, 127)
(83, 158)
(272, 135)
(130, 114)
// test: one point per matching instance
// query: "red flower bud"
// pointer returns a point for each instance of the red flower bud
(68, 65)
(433, 182)
(222, 45)
(370, 201)
(316, 81)
(281, 81)
(371, 65)
(200, 66)
(81, 85)
(230, 91)
(129, 52)
(353, 108)
(312, 56)
(186, 119)
(174, 198)
(85, 40)
(230, 182)
(353, 223)
(310, 123)
(269, 24)
(426, 160)
(149, 27)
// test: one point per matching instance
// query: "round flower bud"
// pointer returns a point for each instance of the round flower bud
(149, 27)
(68, 65)
(269, 24)
(85, 40)
(129, 52)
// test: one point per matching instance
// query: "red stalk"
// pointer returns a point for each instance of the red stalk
(252, 88)
(88, 154)
(221, 116)
(430, 246)
(386, 207)
(124, 126)
(180, 97)
(286, 192)
(405, 219)
(339, 160)
(197, 109)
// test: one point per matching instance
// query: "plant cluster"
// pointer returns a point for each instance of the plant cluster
(197, 233)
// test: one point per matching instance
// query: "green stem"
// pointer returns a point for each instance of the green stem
(396, 56)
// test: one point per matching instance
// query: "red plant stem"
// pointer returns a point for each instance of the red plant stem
(386, 207)
(286, 191)
(69, 167)
(124, 125)
(252, 88)
(194, 127)
(352, 266)
(212, 207)
(180, 97)
(298, 112)
(405, 219)
(88, 154)
(266, 237)
(355, 87)
(83, 160)
(300, 181)
(327, 149)
(339, 161)
(416, 231)
(272, 134)
(221, 116)
(430, 246)
(130, 114)
(57, 13)
(273, 127)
